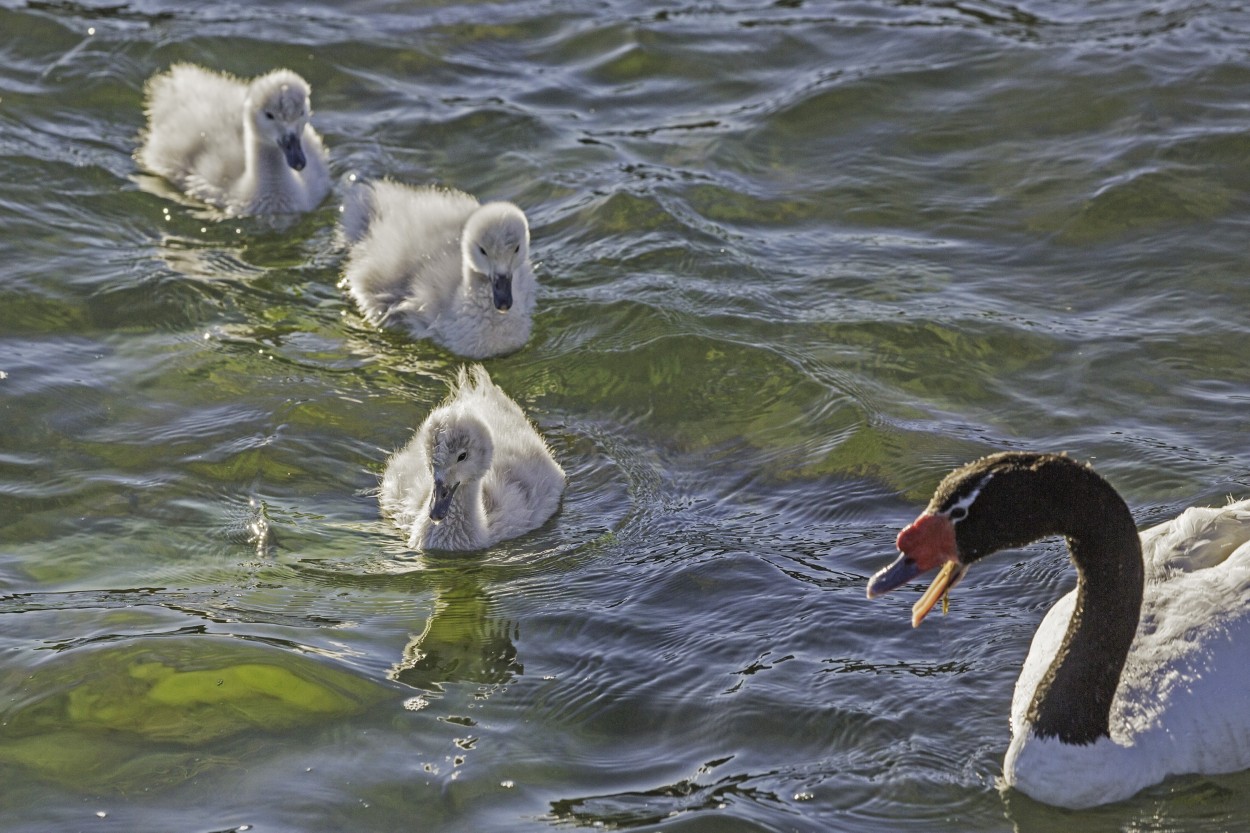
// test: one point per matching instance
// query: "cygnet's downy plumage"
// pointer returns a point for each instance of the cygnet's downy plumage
(243, 147)
(439, 264)
(476, 472)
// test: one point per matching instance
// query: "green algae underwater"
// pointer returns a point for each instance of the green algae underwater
(100, 713)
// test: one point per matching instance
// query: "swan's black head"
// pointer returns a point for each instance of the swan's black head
(1008, 500)
(998, 502)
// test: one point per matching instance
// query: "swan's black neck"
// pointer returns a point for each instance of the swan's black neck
(1073, 699)
(1031, 496)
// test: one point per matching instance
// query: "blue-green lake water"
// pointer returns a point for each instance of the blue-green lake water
(797, 259)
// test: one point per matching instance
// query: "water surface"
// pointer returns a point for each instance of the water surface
(797, 260)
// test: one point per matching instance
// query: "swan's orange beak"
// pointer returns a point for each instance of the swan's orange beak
(929, 543)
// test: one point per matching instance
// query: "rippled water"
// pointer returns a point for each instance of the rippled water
(797, 259)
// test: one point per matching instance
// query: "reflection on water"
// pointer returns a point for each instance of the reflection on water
(464, 640)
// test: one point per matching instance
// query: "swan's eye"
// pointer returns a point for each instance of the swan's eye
(463, 455)
(958, 513)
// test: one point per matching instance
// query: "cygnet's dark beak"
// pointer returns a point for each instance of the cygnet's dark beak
(440, 501)
(293, 151)
(501, 286)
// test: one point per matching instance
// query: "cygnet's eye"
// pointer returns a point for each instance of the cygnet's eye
(462, 456)
(517, 250)
(482, 249)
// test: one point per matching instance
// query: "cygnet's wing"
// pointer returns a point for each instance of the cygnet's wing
(524, 484)
(406, 482)
(195, 129)
(406, 263)
(521, 492)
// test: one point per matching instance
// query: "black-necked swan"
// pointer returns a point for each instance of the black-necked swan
(439, 264)
(245, 147)
(476, 472)
(1143, 670)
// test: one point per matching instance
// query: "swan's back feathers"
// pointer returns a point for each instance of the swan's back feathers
(1199, 538)
(184, 108)
(357, 210)
(1180, 704)
(405, 257)
(474, 389)
(1179, 708)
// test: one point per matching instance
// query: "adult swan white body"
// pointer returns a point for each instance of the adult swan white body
(1142, 671)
